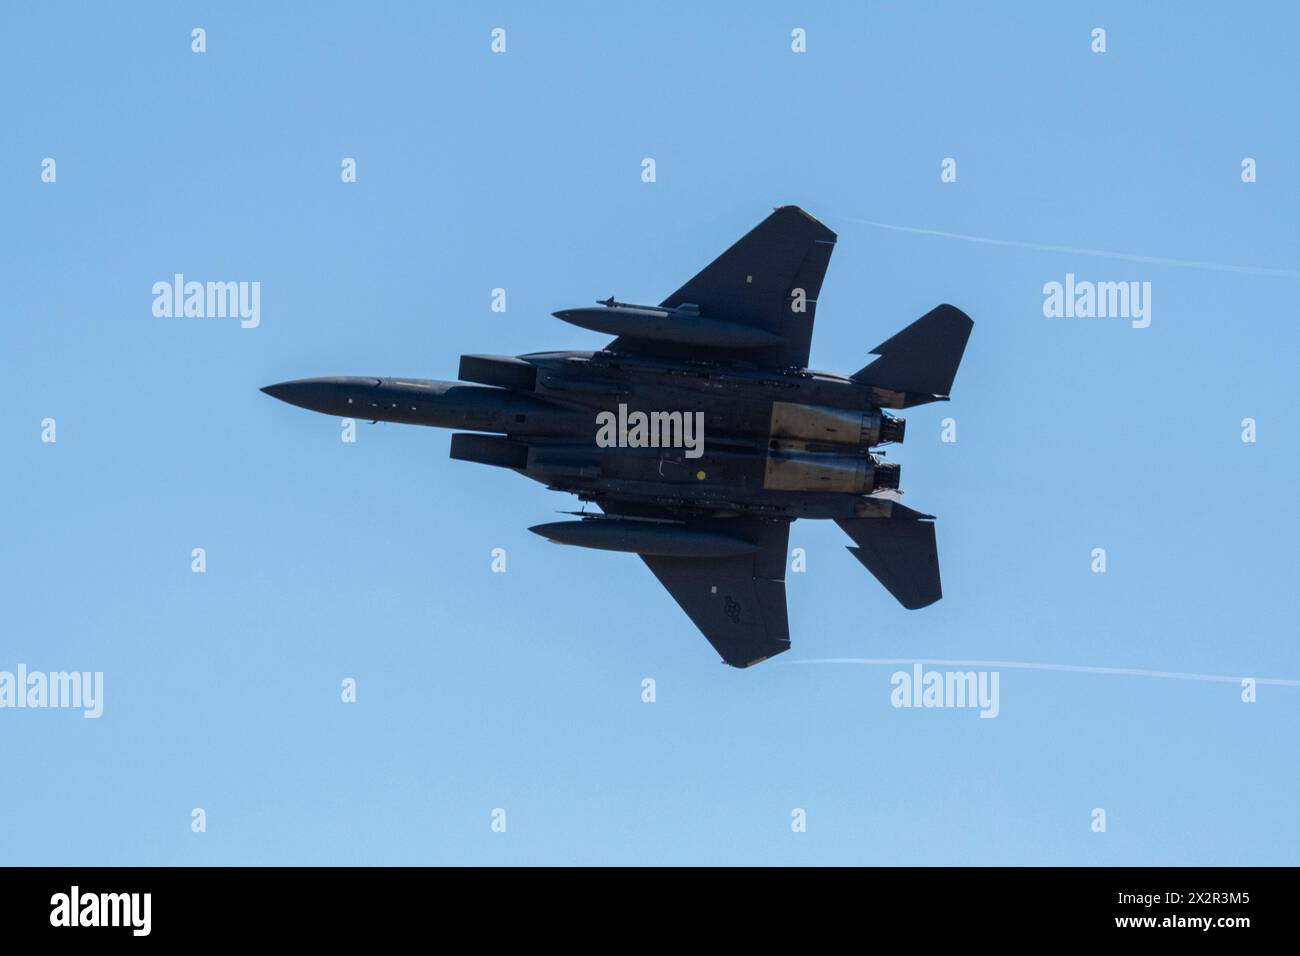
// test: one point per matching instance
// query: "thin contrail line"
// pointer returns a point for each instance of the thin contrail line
(1075, 250)
(1037, 666)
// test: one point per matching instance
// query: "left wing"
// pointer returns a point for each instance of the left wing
(769, 279)
(738, 603)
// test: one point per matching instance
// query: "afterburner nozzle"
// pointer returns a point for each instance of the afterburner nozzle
(886, 475)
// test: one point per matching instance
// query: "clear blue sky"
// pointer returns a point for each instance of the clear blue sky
(522, 690)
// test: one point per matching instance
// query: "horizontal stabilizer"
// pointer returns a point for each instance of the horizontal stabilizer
(901, 553)
(922, 359)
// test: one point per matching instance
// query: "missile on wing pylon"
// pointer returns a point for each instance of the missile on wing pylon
(682, 326)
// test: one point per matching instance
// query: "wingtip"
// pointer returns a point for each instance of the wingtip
(957, 313)
(795, 207)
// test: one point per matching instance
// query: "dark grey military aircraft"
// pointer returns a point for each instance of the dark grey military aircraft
(700, 434)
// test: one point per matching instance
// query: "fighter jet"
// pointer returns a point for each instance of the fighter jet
(699, 433)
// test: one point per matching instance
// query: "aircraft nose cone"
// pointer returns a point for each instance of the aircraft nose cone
(295, 393)
(315, 394)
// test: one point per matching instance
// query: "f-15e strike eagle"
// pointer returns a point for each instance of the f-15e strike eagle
(700, 434)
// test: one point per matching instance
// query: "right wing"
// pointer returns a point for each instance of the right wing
(737, 603)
